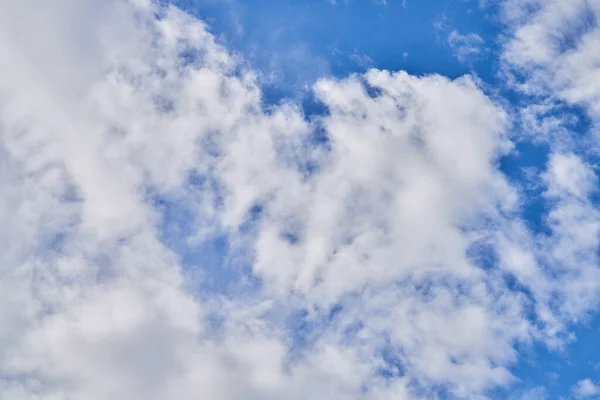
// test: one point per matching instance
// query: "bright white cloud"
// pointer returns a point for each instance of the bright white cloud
(108, 112)
(552, 52)
(585, 388)
(554, 49)
(559, 267)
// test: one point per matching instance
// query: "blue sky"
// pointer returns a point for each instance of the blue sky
(301, 41)
(251, 199)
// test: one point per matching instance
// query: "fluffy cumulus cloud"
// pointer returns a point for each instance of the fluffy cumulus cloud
(585, 388)
(553, 49)
(551, 57)
(368, 252)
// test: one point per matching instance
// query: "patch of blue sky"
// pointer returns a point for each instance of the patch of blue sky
(556, 370)
(214, 264)
(293, 43)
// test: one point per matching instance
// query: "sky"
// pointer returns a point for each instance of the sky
(317, 199)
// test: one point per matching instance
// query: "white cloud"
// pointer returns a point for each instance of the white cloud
(537, 393)
(585, 388)
(550, 52)
(465, 46)
(135, 104)
(554, 46)
(559, 267)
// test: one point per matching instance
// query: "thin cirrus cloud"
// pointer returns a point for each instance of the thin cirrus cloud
(465, 46)
(371, 250)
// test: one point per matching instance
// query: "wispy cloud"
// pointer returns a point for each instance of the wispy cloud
(465, 47)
